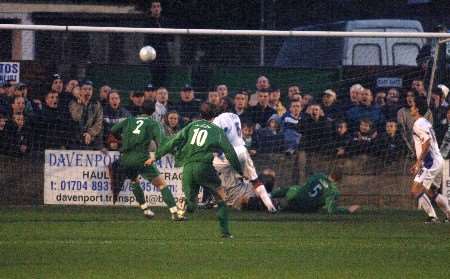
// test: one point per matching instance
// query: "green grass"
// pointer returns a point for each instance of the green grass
(94, 242)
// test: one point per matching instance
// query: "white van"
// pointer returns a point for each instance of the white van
(329, 52)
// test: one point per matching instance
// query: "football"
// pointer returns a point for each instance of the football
(147, 53)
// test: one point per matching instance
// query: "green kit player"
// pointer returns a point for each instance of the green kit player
(319, 191)
(136, 134)
(193, 147)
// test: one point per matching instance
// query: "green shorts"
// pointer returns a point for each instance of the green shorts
(133, 168)
(196, 175)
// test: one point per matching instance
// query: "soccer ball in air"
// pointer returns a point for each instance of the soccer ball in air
(147, 53)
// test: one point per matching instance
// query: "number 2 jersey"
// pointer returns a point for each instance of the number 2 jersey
(317, 192)
(136, 134)
(196, 143)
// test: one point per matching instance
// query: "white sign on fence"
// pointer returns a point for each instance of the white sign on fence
(80, 177)
(9, 71)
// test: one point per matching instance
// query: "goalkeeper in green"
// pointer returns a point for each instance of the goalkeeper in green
(318, 192)
(136, 134)
(193, 147)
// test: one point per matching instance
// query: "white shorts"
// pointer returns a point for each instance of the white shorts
(248, 169)
(431, 176)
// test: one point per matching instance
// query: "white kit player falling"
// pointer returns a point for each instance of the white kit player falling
(231, 124)
(429, 165)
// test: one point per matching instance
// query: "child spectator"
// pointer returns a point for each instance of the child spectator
(172, 123)
(290, 123)
(341, 139)
(248, 136)
(363, 139)
(270, 139)
(390, 144)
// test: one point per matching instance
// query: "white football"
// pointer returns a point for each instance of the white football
(147, 53)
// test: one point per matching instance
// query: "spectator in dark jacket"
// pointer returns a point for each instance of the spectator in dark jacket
(271, 138)
(18, 136)
(3, 136)
(50, 125)
(316, 130)
(390, 145)
(261, 113)
(363, 140)
(341, 139)
(189, 106)
(113, 113)
(392, 104)
(137, 100)
(248, 135)
(438, 108)
(240, 106)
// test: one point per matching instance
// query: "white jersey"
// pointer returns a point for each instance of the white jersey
(423, 131)
(231, 125)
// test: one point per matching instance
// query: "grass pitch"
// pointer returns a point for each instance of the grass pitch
(94, 242)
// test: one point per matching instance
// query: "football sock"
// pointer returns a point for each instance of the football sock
(222, 215)
(442, 202)
(262, 194)
(425, 204)
(138, 193)
(168, 197)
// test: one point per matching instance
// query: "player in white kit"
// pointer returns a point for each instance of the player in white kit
(231, 180)
(429, 165)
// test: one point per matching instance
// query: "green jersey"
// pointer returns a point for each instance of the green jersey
(137, 133)
(196, 143)
(317, 192)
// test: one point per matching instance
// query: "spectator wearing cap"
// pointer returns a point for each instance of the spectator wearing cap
(438, 108)
(113, 113)
(261, 113)
(392, 103)
(137, 100)
(366, 109)
(275, 101)
(329, 105)
(57, 84)
(188, 106)
(88, 114)
(150, 93)
(223, 90)
(162, 105)
(240, 106)
(290, 123)
(104, 92)
(316, 130)
(51, 128)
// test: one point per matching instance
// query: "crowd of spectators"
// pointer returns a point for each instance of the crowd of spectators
(74, 115)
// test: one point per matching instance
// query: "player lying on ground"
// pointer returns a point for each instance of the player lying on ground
(136, 134)
(193, 147)
(231, 124)
(319, 191)
(427, 170)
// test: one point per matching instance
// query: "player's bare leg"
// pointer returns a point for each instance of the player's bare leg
(140, 198)
(177, 214)
(222, 213)
(423, 201)
(261, 192)
(441, 202)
